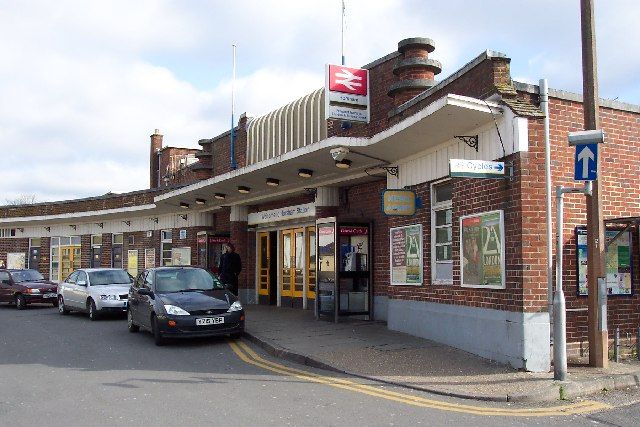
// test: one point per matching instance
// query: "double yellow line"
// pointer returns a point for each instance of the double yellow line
(245, 353)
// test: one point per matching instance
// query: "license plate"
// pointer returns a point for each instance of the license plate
(204, 321)
(49, 295)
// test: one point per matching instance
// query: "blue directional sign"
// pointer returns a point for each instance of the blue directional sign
(586, 162)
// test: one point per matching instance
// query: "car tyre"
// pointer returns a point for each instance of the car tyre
(21, 302)
(61, 307)
(93, 312)
(155, 330)
(132, 327)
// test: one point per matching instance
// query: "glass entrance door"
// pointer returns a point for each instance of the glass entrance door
(311, 264)
(293, 264)
(69, 260)
(264, 275)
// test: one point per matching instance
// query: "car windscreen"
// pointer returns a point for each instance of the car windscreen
(186, 279)
(26, 276)
(109, 277)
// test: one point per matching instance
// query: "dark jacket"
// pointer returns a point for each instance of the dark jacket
(230, 267)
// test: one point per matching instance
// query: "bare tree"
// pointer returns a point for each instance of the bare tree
(23, 199)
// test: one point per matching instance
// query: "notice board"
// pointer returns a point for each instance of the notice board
(618, 262)
(482, 250)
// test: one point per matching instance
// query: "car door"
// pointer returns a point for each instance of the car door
(134, 297)
(146, 301)
(5, 287)
(81, 292)
(68, 289)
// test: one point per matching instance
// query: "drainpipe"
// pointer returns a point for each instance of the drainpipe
(544, 104)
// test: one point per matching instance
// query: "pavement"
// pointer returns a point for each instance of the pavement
(367, 349)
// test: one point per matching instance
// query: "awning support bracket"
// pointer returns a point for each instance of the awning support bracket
(470, 140)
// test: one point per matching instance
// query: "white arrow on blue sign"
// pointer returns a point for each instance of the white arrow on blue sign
(586, 162)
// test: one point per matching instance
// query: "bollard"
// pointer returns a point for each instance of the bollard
(616, 346)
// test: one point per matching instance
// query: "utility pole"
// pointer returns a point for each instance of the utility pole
(598, 336)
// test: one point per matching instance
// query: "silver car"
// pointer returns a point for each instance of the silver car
(95, 291)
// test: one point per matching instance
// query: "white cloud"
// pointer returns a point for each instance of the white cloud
(84, 84)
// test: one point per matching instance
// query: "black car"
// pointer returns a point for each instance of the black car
(183, 302)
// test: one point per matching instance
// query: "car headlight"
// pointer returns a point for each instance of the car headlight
(236, 306)
(175, 311)
(109, 297)
(33, 291)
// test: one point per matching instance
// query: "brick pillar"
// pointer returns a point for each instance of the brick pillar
(45, 254)
(415, 71)
(105, 256)
(238, 236)
(154, 163)
(85, 251)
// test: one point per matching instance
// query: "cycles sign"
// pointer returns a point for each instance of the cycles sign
(476, 169)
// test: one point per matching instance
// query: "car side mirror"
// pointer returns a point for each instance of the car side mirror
(145, 291)
(81, 283)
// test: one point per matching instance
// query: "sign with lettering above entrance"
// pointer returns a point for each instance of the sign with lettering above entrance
(282, 214)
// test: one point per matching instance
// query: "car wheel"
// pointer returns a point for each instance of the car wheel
(61, 307)
(130, 325)
(155, 329)
(93, 312)
(21, 302)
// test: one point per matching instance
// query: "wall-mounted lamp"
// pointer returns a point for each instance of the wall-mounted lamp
(21, 230)
(154, 220)
(343, 164)
(184, 205)
(200, 201)
(73, 226)
(127, 223)
(220, 196)
(183, 216)
(48, 229)
(100, 224)
(305, 173)
(243, 189)
(311, 190)
(273, 182)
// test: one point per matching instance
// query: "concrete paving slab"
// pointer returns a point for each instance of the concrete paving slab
(370, 350)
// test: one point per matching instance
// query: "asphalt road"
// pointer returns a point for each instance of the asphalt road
(67, 370)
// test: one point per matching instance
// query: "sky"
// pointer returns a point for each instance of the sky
(83, 83)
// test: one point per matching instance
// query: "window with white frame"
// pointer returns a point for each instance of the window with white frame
(441, 232)
(165, 247)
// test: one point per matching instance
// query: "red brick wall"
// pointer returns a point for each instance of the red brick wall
(45, 255)
(620, 164)
(13, 245)
(105, 256)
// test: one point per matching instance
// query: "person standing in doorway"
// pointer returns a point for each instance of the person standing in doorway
(230, 267)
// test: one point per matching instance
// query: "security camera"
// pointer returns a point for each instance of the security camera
(339, 153)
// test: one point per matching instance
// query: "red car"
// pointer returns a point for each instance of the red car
(23, 287)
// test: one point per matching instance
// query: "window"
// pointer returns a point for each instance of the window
(34, 242)
(82, 277)
(7, 232)
(96, 240)
(4, 278)
(131, 240)
(117, 239)
(165, 247)
(72, 278)
(441, 232)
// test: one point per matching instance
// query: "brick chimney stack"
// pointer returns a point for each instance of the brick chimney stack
(154, 161)
(414, 69)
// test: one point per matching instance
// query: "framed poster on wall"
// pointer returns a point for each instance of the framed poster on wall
(406, 255)
(482, 250)
(149, 258)
(132, 262)
(618, 262)
(17, 260)
(181, 256)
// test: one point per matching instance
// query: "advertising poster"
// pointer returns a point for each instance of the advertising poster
(181, 256)
(17, 260)
(132, 262)
(482, 250)
(406, 255)
(617, 262)
(149, 258)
